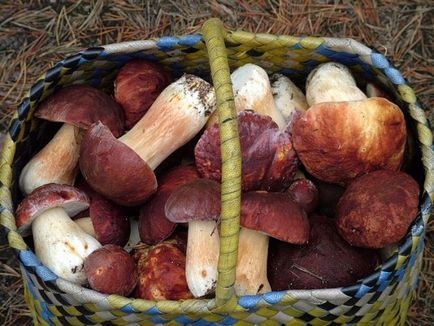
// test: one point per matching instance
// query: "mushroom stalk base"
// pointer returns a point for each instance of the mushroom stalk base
(55, 163)
(62, 245)
(202, 257)
(251, 275)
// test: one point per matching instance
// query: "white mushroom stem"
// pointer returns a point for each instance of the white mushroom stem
(85, 223)
(202, 257)
(176, 116)
(134, 235)
(55, 163)
(332, 82)
(251, 274)
(252, 91)
(62, 245)
(288, 98)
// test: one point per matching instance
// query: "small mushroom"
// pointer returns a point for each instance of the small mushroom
(137, 85)
(78, 106)
(288, 98)
(377, 208)
(262, 215)
(305, 193)
(161, 272)
(153, 223)
(106, 221)
(122, 169)
(326, 261)
(198, 204)
(111, 270)
(252, 91)
(269, 161)
(332, 82)
(60, 244)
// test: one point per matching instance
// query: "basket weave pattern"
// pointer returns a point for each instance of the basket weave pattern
(380, 298)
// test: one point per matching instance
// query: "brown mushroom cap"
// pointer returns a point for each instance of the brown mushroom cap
(111, 270)
(275, 214)
(81, 106)
(195, 201)
(337, 142)
(45, 197)
(113, 169)
(137, 85)
(153, 223)
(326, 261)
(268, 158)
(377, 209)
(110, 221)
(161, 273)
(305, 193)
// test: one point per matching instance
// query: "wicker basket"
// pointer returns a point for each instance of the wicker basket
(380, 298)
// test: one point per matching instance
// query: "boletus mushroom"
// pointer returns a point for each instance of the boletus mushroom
(60, 244)
(110, 269)
(137, 85)
(252, 91)
(269, 161)
(122, 169)
(198, 204)
(77, 106)
(326, 261)
(154, 226)
(105, 221)
(305, 193)
(377, 208)
(161, 272)
(265, 215)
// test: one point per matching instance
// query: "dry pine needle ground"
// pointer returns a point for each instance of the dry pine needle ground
(36, 34)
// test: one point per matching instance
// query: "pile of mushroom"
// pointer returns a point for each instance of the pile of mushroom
(322, 186)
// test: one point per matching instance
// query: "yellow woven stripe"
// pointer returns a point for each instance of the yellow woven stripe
(266, 312)
(16, 241)
(270, 323)
(318, 322)
(231, 163)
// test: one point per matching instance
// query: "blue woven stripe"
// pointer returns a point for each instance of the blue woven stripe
(128, 309)
(158, 320)
(169, 42)
(29, 259)
(228, 321)
(380, 62)
(249, 301)
(273, 297)
(363, 289)
(153, 311)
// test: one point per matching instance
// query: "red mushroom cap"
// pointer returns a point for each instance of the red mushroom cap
(137, 85)
(113, 169)
(195, 201)
(111, 270)
(276, 215)
(305, 193)
(49, 196)
(81, 106)
(153, 223)
(268, 158)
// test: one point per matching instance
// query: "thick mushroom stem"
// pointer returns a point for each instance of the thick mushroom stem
(62, 245)
(202, 257)
(252, 91)
(176, 116)
(55, 163)
(85, 223)
(251, 275)
(332, 82)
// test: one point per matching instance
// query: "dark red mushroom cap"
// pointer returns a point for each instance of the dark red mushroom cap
(305, 193)
(113, 169)
(49, 196)
(82, 106)
(153, 223)
(195, 201)
(137, 85)
(276, 215)
(269, 161)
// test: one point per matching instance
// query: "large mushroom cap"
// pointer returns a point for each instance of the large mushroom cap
(153, 223)
(49, 196)
(81, 106)
(268, 158)
(195, 201)
(275, 214)
(377, 208)
(113, 169)
(339, 141)
(137, 85)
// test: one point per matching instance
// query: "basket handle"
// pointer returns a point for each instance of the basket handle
(213, 34)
